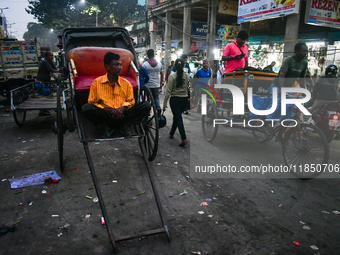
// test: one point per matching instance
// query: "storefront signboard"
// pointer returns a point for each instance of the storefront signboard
(323, 13)
(253, 10)
(153, 26)
(150, 3)
(228, 7)
(223, 32)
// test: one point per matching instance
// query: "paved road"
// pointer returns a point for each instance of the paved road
(245, 216)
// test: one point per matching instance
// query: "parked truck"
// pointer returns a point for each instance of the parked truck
(19, 64)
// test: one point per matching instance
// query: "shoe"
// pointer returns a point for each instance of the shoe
(183, 143)
(186, 112)
(128, 131)
(44, 113)
(171, 136)
(104, 131)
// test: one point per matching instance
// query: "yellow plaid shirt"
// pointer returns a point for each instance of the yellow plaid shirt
(104, 96)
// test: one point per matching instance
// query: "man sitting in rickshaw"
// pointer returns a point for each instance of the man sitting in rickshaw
(111, 104)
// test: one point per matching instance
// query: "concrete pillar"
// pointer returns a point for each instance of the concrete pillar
(291, 34)
(167, 38)
(186, 30)
(153, 36)
(211, 31)
(245, 26)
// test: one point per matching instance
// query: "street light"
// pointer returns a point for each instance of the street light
(84, 1)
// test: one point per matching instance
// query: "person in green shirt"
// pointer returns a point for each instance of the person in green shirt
(293, 70)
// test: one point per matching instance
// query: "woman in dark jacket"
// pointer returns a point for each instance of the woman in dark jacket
(177, 88)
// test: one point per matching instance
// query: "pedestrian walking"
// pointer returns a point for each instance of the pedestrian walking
(156, 74)
(177, 88)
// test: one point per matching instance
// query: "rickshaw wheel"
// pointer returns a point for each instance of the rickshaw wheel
(304, 146)
(60, 131)
(19, 117)
(70, 115)
(150, 125)
(264, 134)
(209, 131)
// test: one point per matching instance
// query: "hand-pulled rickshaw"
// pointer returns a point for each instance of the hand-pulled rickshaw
(302, 143)
(84, 50)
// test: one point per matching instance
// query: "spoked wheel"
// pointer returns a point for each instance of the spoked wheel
(70, 115)
(19, 117)
(60, 130)
(209, 131)
(304, 148)
(263, 134)
(150, 125)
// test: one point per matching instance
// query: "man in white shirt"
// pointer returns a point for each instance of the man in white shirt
(156, 74)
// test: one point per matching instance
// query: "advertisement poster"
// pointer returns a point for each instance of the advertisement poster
(223, 32)
(323, 13)
(250, 10)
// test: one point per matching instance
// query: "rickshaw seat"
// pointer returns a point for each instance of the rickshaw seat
(89, 63)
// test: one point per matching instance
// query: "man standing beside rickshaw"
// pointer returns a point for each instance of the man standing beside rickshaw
(236, 54)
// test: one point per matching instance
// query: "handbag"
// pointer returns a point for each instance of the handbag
(162, 121)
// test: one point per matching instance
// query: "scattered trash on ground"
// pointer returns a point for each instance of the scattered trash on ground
(204, 204)
(306, 227)
(200, 212)
(87, 215)
(196, 252)
(18, 192)
(141, 193)
(314, 247)
(55, 215)
(296, 243)
(6, 115)
(60, 234)
(272, 191)
(325, 212)
(77, 170)
(65, 189)
(114, 181)
(3, 180)
(208, 199)
(34, 179)
(183, 193)
(210, 216)
(4, 159)
(158, 164)
(280, 205)
(30, 204)
(4, 230)
(168, 155)
(44, 191)
(17, 222)
(176, 163)
(88, 197)
(95, 200)
(302, 222)
(336, 212)
(102, 221)
(188, 176)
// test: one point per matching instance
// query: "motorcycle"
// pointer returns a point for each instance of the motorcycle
(327, 118)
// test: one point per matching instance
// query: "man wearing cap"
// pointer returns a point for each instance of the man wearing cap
(236, 54)
(202, 78)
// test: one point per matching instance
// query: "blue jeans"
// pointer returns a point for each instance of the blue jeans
(155, 95)
(177, 105)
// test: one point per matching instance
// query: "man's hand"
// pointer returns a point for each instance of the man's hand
(238, 57)
(118, 113)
